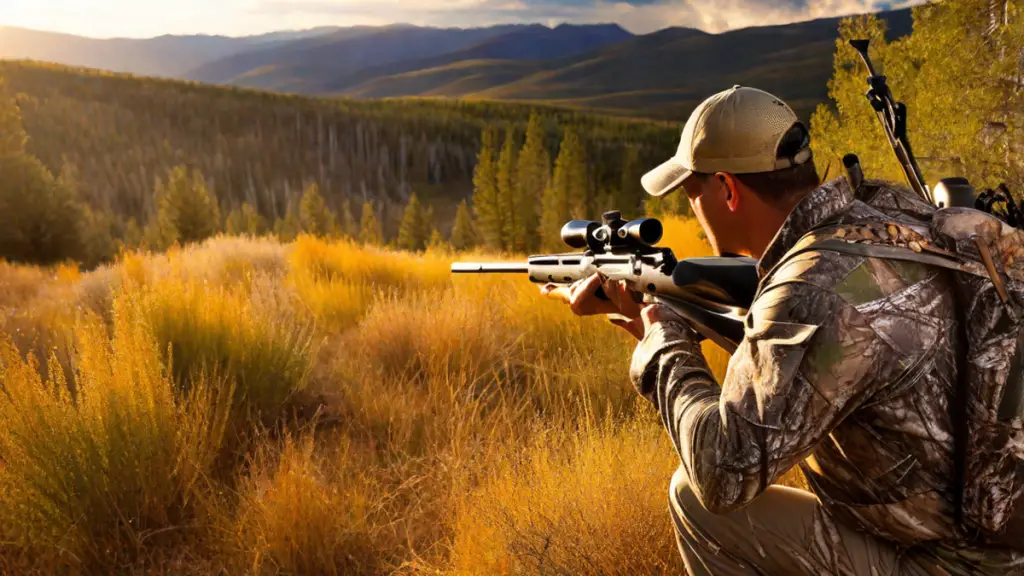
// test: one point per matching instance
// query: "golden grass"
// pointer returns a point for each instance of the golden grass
(304, 514)
(91, 481)
(593, 502)
(454, 425)
(250, 336)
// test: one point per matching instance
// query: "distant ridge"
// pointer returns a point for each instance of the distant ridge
(662, 75)
(601, 67)
(168, 56)
(546, 47)
(329, 63)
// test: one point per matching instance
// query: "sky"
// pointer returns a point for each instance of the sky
(147, 18)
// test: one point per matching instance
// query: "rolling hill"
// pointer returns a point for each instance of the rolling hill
(603, 68)
(504, 59)
(168, 56)
(664, 74)
(330, 63)
(117, 134)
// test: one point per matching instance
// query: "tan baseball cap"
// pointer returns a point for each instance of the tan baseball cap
(736, 131)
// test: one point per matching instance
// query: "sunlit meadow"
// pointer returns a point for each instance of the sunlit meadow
(320, 407)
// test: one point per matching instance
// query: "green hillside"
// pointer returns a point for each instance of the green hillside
(118, 135)
(661, 75)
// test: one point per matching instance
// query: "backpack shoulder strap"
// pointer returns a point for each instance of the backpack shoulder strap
(888, 241)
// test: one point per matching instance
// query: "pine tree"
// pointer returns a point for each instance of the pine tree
(413, 233)
(430, 223)
(12, 132)
(132, 237)
(369, 228)
(673, 204)
(437, 243)
(506, 191)
(629, 195)
(40, 218)
(245, 220)
(485, 194)
(314, 215)
(463, 236)
(288, 228)
(554, 215)
(562, 198)
(533, 172)
(187, 212)
(96, 229)
(348, 226)
(573, 161)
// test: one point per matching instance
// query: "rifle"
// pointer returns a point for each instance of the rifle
(712, 293)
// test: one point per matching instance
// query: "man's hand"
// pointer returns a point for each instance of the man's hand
(582, 299)
(655, 313)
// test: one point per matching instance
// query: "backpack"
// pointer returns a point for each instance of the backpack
(985, 258)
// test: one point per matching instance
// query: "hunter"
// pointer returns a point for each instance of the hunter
(847, 369)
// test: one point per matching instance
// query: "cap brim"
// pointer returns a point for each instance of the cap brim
(665, 178)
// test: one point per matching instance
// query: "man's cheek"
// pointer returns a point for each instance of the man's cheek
(698, 211)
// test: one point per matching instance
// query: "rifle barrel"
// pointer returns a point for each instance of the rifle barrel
(490, 268)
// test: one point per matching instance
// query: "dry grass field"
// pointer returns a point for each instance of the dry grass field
(243, 406)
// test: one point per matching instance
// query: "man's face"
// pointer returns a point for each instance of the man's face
(709, 199)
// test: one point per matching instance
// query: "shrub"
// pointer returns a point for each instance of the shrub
(301, 514)
(250, 338)
(92, 481)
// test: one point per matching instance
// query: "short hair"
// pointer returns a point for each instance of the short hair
(781, 185)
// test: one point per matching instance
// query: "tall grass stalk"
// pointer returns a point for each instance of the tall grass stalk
(95, 480)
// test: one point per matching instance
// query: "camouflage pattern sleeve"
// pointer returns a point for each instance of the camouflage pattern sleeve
(809, 358)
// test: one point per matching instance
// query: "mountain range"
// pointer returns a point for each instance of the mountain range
(166, 56)
(600, 67)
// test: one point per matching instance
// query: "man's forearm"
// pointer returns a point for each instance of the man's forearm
(669, 369)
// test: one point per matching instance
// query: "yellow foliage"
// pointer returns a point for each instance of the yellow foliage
(337, 281)
(685, 237)
(88, 478)
(248, 334)
(299, 515)
(576, 503)
(470, 418)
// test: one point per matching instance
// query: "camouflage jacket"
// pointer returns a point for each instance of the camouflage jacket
(847, 369)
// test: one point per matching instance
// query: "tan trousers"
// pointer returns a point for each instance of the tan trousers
(784, 531)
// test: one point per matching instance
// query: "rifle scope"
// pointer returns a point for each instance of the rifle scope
(613, 234)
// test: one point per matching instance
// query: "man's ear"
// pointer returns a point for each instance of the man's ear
(732, 189)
